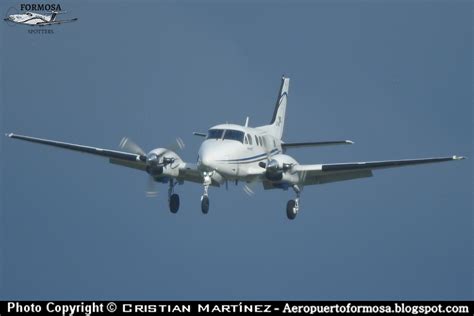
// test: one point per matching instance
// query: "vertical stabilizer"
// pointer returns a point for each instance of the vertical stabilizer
(53, 16)
(278, 120)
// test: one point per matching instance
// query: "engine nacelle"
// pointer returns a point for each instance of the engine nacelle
(277, 168)
(163, 162)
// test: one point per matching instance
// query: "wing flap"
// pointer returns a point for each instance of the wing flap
(139, 165)
(338, 176)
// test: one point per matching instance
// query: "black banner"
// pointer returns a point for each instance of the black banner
(110, 308)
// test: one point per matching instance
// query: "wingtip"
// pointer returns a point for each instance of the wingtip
(9, 134)
(459, 157)
(349, 142)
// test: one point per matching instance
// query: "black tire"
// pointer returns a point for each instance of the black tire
(290, 209)
(205, 204)
(174, 203)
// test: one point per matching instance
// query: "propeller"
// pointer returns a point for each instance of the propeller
(128, 145)
(179, 145)
(249, 188)
(154, 166)
(151, 191)
(273, 170)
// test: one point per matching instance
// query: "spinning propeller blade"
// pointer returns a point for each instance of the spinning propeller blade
(151, 191)
(128, 145)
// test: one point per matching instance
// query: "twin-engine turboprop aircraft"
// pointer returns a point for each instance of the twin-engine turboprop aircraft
(36, 19)
(239, 153)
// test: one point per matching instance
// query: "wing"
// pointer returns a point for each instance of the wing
(57, 22)
(326, 173)
(113, 154)
(187, 171)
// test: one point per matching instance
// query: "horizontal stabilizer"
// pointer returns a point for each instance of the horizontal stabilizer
(315, 144)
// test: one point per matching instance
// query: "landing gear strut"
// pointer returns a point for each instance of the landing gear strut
(293, 206)
(173, 198)
(205, 197)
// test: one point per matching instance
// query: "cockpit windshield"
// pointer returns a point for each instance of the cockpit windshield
(215, 134)
(234, 135)
(229, 134)
(29, 14)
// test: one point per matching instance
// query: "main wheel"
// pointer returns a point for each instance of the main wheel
(290, 209)
(174, 203)
(205, 204)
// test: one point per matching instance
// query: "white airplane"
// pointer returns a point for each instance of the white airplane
(239, 153)
(36, 19)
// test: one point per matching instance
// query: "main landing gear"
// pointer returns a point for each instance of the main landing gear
(293, 206)
(205, 198)
(173, 198)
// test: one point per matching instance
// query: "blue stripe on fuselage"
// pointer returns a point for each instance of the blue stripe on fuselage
(251, 159)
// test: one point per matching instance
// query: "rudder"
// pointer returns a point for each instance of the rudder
(278, 120)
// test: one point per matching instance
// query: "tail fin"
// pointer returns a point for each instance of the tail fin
(53, 16)
(278, 120)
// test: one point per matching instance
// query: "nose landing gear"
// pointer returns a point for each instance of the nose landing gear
(205, 198)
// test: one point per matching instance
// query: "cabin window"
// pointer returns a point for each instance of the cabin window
(215, 134)
(250, 138)
(246, 141)
(256, 140)
(234, 135)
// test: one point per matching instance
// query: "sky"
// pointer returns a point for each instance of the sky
(393, 76)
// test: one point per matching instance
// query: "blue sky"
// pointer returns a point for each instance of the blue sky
(395, 77)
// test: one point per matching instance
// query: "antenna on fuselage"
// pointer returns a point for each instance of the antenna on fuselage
(247, 122)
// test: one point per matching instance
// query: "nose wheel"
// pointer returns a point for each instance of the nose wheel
(205, 197)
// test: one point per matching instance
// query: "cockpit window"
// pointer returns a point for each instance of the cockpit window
(215, 133)
(29, 14)
(234, 135)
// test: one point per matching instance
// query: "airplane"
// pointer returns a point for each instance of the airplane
(36, 19)
(232, 152)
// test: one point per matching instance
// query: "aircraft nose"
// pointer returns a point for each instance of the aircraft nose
(205, 160)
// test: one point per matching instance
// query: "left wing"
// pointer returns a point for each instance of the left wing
(325, 173)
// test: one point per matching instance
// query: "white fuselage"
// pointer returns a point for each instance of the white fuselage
(236, 152)
(29, 18)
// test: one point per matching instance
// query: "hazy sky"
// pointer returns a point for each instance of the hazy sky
(393, 76)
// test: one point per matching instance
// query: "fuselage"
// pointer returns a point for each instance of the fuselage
(234, 150)
(29, 18)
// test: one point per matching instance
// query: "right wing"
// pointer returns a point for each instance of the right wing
(326, 173)
(187, 171)
(113, 154)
